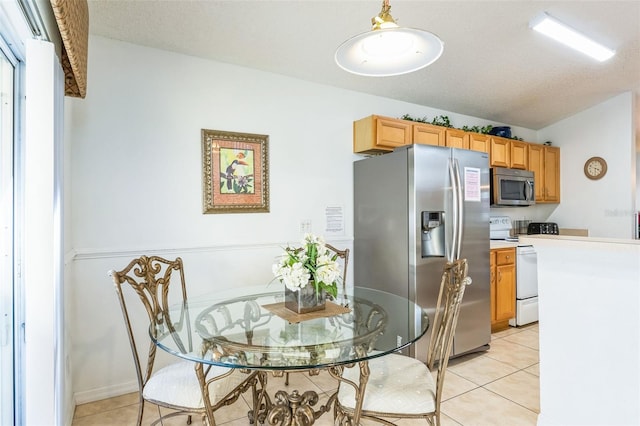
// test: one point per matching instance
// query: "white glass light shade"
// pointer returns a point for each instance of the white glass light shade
(566, 35)
(390, 51)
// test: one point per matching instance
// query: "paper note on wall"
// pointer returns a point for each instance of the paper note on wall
(334, 219)
(472, 184)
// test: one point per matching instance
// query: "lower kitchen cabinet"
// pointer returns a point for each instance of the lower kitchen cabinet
(503, 287)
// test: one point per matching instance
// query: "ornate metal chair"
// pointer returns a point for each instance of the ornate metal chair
(401, 386)
(175, 386)
(344, 255)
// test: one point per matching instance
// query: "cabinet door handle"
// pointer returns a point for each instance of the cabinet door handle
(499, 276)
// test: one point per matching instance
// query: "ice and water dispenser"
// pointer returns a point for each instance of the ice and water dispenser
(433, 234)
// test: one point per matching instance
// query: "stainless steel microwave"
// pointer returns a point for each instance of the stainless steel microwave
(512, 188)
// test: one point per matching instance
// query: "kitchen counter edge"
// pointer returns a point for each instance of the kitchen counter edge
(499, 244)
(531, 239)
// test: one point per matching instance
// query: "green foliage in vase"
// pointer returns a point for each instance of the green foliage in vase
(312, 262)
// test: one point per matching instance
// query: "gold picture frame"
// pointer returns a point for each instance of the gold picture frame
(235, 172)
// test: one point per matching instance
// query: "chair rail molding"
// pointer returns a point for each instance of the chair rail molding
(90, 254)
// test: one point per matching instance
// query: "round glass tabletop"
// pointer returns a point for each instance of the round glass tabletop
(250, 328)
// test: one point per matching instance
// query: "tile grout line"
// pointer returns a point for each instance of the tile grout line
(515, 402)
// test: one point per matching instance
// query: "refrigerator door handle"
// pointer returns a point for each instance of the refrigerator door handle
(460, 211)
(454, 211)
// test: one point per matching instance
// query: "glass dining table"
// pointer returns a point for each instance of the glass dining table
(249, 329)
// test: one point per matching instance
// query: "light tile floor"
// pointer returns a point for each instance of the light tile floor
(496, 387)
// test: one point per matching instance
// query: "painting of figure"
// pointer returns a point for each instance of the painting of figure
(238, 166)
(235, 170)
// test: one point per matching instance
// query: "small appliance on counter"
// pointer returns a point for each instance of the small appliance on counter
(547, 228)
(520, 226)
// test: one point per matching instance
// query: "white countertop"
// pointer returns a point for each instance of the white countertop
(588, 304)
(531, 239)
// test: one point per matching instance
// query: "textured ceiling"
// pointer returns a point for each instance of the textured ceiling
(493, 67)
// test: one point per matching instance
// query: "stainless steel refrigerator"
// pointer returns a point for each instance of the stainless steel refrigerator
(414, 208)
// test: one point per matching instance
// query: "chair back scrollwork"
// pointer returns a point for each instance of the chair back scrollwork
(343, 255)
(452, 287)
(150, 277)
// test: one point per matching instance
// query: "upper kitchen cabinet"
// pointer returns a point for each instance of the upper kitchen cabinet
(478, 142)
(544, 162)
(428, 134)
(509, 153)
(500, 155)
(378, 134)
(455, 138)
(519, 155)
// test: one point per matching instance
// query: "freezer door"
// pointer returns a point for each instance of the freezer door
(381, 224)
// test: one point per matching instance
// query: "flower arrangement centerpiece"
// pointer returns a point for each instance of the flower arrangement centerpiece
(309, 273)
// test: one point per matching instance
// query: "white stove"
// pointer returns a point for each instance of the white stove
(526, 272)
(500, 228)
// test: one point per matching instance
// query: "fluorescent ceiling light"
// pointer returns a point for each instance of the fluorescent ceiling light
(566, 35)
(387, 49)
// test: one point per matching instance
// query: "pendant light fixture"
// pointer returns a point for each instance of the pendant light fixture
(388, 49)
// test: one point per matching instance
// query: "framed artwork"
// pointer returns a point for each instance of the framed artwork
(235, 172)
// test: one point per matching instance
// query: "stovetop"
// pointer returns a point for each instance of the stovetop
(499, 227)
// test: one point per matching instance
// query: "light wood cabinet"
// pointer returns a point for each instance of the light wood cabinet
(377, 134)
(519, 155)
(500, 155)
(536, 165)
(478, 142)
(455, 138)
(544, 162)
(503, 287)
(428, 134)
(552, 174)
(509, 153)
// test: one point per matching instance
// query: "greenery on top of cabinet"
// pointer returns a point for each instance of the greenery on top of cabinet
(443, 120)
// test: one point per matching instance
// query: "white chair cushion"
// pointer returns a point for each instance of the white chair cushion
(177, 384)
(397, 384)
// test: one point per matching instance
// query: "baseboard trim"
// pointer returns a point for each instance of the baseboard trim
(104, 392)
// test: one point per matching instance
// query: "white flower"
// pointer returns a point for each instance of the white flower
(312, 239)
(313, 261)
(328, 270)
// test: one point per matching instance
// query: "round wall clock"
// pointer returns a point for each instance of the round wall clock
(595, 168)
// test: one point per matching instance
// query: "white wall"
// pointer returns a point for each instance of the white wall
(588, 308)
(136, 181)
(636, 108)
(605, 206)
(44, 344)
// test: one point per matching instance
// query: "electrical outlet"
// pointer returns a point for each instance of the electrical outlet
(398, 341)
(305, 226)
